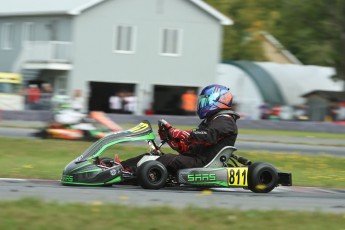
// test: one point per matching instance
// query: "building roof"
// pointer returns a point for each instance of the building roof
(284, 83)
(336, 96)
(215, 13)
(280, 48)
(75, 7)
(269, 89)
(44, 7)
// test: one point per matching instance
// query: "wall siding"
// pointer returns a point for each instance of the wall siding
(95, 60)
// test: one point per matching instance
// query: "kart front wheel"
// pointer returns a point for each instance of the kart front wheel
(43, 134)
(262, 177)
(152, 175)
(87, 136)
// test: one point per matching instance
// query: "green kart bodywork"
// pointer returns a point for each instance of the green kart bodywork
(223, 171)
(86, 170)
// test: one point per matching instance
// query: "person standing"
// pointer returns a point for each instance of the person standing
(115, 103)
(341, 112)
(131, 103)
(188, 100)
(265, 111)
(46, 96)
(33, 97)
(78, 101)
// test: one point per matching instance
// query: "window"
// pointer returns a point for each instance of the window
(124, 39)
(28, 31)
(171, 42)
(7, 36)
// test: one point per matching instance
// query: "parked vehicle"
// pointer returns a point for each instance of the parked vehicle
(10, 96)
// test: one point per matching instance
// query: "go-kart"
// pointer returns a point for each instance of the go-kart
(225, 170)
(72, 125)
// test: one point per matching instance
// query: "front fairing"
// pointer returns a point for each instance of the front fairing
(142, 131)
(87, 173)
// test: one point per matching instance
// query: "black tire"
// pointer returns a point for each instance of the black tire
(87, 136)
(152, 175)
(262, 177)
(43, 134)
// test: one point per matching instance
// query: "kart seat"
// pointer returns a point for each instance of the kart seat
(221, 158)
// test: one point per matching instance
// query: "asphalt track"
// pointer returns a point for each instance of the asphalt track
(281, 198)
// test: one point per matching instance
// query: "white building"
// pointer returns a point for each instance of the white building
(102, 46)
(254, 83)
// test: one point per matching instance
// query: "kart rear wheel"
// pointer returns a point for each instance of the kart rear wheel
(262, 177)
(152, 175)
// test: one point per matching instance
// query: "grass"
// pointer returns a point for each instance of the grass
(307, 170)
(45, 159)
(34, 214)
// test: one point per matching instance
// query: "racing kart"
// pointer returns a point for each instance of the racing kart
(226, 169)
(72, 125)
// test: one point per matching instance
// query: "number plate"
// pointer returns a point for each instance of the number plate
(238, 176)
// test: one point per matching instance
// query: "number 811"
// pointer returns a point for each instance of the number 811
(237, 176)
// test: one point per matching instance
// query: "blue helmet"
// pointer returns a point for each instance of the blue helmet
(212, 99)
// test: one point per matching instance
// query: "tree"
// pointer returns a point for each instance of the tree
(240, 40)
(313, 30)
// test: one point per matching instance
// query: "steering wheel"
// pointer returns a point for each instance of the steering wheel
(164, 125)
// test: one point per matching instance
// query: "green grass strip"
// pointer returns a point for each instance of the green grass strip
(32, 214)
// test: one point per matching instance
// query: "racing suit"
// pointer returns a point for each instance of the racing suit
(201, 145)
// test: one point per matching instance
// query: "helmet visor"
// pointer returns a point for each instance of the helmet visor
(205, 100)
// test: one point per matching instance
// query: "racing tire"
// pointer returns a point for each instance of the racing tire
(262, 177)
(87, 136)
(152, 175)
(43, 134)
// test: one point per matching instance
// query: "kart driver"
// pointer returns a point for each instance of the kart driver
(198, 147)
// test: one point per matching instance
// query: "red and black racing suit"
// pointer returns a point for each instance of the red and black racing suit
(203, 144)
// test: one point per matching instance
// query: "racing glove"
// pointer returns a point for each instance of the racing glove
(162, 131)
(179, 145)
(178, 134)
